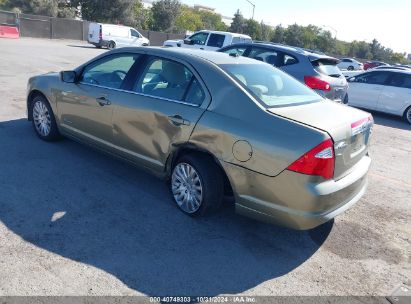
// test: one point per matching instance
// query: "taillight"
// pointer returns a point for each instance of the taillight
(319, 161)
(101, 34)
(316, 83)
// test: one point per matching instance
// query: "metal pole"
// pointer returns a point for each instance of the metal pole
(253, 7)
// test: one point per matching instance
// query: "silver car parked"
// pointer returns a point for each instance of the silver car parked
(318, 71)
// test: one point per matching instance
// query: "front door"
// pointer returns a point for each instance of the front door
(85, 108)
(366, 89)
(160, 112)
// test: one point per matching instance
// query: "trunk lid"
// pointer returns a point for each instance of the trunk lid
(349, 128)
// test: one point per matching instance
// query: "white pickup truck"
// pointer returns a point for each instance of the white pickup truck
(209, 40)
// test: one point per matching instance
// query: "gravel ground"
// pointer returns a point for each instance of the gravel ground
(74, 221)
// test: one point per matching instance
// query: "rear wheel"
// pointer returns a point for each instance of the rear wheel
(111, 45)
(345, 101)
(43, 119)
(197, 185)
(407, 115)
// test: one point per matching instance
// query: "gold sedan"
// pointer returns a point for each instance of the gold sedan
(213, 124)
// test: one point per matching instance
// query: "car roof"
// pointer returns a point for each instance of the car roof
(186, 53)
(405, 70)
(312, 54)
(224, 33)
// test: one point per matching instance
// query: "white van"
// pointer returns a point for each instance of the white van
(209, 40)
(112, 36)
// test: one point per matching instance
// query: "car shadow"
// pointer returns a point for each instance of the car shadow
(89, 207)
(388, 120)
(84, 46)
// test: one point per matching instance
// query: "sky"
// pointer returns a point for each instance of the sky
(389, 21)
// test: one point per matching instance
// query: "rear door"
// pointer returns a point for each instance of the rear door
(158, 111)
(365, 89)
(237, 50)
(267, 55)
(215, 41)
(94, 32)
(396, 95)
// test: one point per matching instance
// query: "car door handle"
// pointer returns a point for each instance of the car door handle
(103, 101)
(177, 120)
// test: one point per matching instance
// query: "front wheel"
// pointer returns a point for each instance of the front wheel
(350, 68)
(407, 115)
(43, 119)
(197, 185)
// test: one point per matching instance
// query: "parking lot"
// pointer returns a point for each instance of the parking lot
(74, 221)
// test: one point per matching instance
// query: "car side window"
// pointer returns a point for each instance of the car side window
(400, 80)
(289, 60)
(169, 79)
(199, 38)
(109, 71)
(134, 33)
(195, 94)
(373, 78)
(216, 40)
(265, 55)
(236, 50)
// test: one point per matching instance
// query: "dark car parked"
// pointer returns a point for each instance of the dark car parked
(316, 70)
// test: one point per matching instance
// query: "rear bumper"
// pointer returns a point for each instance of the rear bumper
(295, 200)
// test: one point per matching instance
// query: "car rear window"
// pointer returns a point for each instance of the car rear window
(327, 67)
(272, 87)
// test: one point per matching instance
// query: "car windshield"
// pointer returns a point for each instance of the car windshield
(273, 87)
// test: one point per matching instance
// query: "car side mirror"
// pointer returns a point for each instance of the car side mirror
(68, 76)
(188, 41)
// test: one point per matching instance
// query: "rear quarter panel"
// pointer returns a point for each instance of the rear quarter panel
(233, 115)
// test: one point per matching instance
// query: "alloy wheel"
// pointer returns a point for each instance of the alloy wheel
(187, 188)
(41, 118)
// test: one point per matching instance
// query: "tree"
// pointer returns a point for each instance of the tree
(52, 8)
(294, 35)
(114, 11)
(165, 13)
(212, 21)
(188, 20)
(266, 32)
(279, 34)
(253, 29)
(238, 24)
(143, 17)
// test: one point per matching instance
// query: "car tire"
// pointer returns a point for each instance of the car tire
(197, 185)
(350, 68)
(43, 120)
(345, 101)
(407, 115)
(111, 45)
